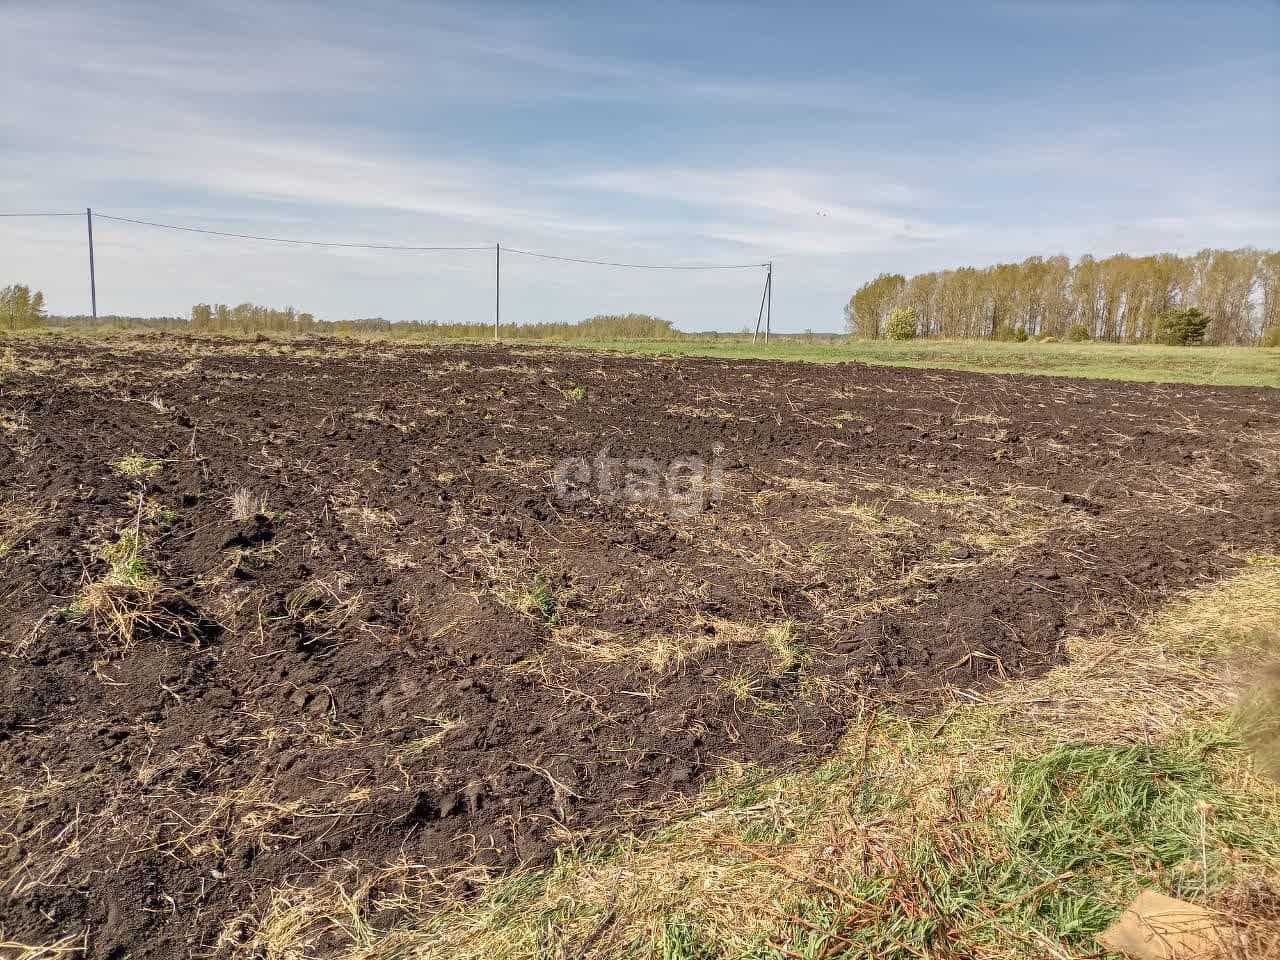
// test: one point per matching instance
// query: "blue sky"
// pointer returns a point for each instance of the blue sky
(838, 140)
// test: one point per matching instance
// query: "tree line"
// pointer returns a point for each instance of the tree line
(20, 308)
(1119, 298)
(249, 318)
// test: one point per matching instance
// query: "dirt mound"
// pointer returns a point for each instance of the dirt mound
(369, 604)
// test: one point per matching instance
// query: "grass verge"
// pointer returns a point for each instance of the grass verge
(1221, 366)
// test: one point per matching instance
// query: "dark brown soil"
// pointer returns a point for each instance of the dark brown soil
(417, 649)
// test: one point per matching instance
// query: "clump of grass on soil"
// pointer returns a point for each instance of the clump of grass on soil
(788, 649)
(126, 564)
(137, 466)
(245, 504)
(126, 597)
(541, 599)
(129, 597)
(1018, 827)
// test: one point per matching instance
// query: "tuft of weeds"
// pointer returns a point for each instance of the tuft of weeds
(741, 685)
(121, 611)
(788, 649)
(321, 607)
(542, 600)
(245, 505)
(680, 938)
(577, 393)
(125, 561)
(129, 598)
(749, 691)
(158, 514)
(137, 466)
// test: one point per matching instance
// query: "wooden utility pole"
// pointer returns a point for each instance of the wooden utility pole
(768, 292)
(93, 280)
(764, 295)
(497, 288)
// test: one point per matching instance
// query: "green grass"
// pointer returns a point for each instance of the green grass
(1086, 827)
(541, 600)
(128, 566)
(1135, 813)
(1222, 366)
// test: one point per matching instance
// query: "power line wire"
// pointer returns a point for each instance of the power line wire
(640, 266)
(397, 246)
(308, 243)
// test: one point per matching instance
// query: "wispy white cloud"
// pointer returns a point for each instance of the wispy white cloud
(790, 210)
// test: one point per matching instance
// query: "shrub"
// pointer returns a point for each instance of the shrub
(901, 324)
(1271, 338)
(1078, 333)
(1182, 328)
(626, 326)
(1008, 334)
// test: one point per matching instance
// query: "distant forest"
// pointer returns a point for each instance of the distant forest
(1215, 297)
(254, 318)
(1121, 298)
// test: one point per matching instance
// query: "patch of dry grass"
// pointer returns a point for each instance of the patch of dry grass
(1191, 657)
(244, 504)
(662, 653)
(250, 814)
(137, 466)
(350, 502)
(19, 517)
(68, 946)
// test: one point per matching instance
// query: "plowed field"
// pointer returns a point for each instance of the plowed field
(274, 611)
